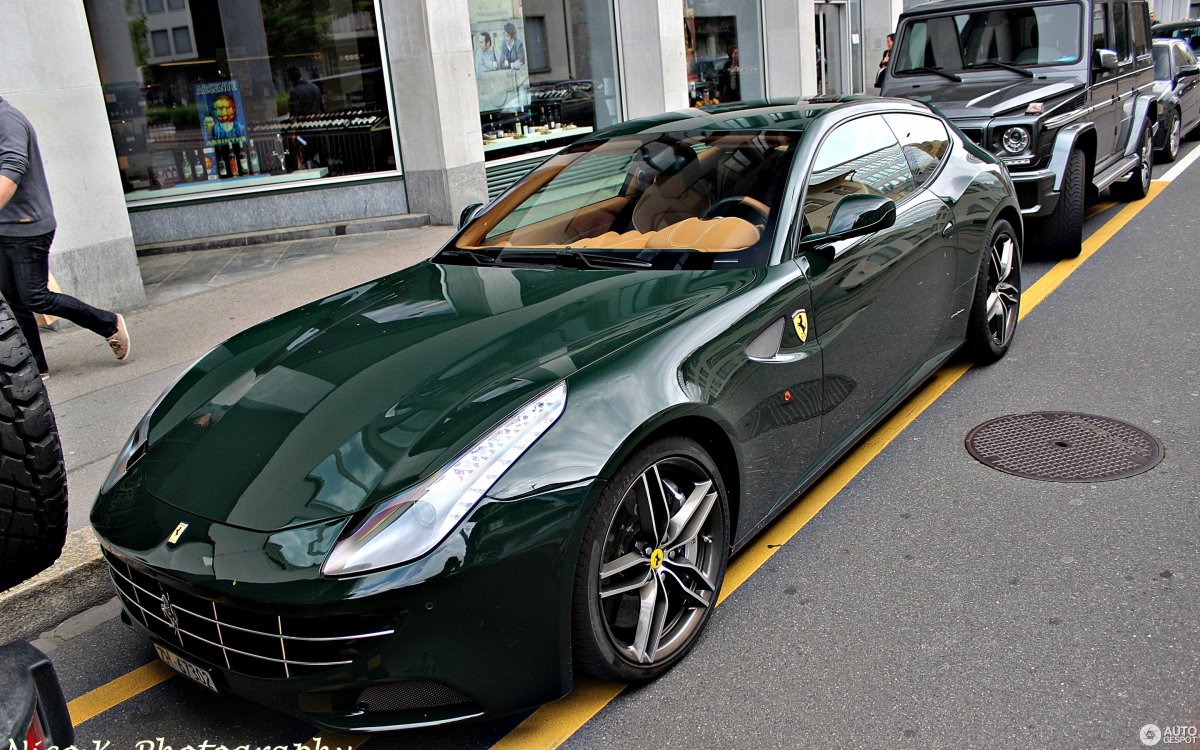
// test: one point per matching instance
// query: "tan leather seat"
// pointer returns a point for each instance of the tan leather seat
(711, 236)
(672, 199)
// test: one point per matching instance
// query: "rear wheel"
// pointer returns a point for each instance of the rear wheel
(33, 490)
(1137, 186)
(997, 302)
(651, 564)
(1174, 137)
(1061, 232)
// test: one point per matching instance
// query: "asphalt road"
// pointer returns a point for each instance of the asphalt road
(934, 603)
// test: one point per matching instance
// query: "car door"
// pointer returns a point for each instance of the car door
(879, 302)
(1188, 87)
(1105, 87)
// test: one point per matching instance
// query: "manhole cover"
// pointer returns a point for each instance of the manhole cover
(1058, 446)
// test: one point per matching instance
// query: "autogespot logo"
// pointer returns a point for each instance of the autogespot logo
(1179, 734)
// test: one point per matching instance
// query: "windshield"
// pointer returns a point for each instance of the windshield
(1025, 36)
(660, 200)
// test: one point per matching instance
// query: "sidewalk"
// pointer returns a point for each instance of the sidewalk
(195, 300)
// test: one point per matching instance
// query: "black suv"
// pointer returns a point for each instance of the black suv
(1062, 92)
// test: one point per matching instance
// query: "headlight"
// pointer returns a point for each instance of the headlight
(1016, 140)
(417, 520)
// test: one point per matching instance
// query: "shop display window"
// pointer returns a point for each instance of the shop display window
(723, 43)
(206, 95)
(545, 71)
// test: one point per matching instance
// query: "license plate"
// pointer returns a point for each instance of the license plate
(186, 668)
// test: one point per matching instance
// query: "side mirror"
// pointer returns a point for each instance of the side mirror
(1104, 60)
(1186, 71)
(854, 216)
(468, 213)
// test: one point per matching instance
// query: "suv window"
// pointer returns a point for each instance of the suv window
(860, 156)
(1141, 31)
(1121, 43)
(1022, 35)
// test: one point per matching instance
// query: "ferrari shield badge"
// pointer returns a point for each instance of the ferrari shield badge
(178, 532)
(800, 323)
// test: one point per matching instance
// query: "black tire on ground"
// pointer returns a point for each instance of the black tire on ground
(640, 563)
(33, 487)
(1138, 185)
(1061, 233)
(1174, 136)
(997, 301)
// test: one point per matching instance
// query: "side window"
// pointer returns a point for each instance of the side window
(1140, 27)
(923, 141)
(1100, 34)
(860, 156)
(1120, 29)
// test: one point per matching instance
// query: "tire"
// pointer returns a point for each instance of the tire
(624, 628)
(997, 301)
(33, 488)
(1061, 233)
(1174, 138)
(1138, 185)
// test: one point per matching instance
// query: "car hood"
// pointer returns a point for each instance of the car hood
(346, 401)
(987, 98)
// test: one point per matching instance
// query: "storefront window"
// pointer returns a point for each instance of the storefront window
(545, 72)
(206, 95)
(723, 41)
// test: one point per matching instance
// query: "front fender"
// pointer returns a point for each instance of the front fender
(1145, 114)
(1064, 143)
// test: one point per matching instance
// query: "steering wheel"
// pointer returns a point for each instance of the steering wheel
(759, 213)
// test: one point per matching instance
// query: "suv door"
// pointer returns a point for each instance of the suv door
(1137, 65)
(1105, 87)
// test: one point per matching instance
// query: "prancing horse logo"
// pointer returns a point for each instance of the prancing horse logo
(178, 532)
(169, 613)
(800, 323)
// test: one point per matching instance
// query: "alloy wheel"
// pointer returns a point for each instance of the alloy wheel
(1175, 138)
(661, 561)
(1004, 288)
(1147, 161)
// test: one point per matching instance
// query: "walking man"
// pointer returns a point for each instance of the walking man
(26, 230)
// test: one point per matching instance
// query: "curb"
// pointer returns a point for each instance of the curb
(77, 581)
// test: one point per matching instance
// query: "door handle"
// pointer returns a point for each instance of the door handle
(948, 229)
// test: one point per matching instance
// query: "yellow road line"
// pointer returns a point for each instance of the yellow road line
(1099, 208)
(552, 724)
(112, 694)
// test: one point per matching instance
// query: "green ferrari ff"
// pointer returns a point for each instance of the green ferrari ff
(440, 494)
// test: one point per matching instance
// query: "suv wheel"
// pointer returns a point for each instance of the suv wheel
(33, 488)
(1137, 185)
(1062, 231)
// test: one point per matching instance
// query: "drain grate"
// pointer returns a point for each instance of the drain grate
(1057, 446)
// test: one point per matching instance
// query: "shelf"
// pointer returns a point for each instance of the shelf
(210, 186)
(553, 135)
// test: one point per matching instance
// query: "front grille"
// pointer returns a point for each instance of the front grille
(410, 694)
(253, 643)
(974, 134)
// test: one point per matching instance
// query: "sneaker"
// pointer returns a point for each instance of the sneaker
(119, 341)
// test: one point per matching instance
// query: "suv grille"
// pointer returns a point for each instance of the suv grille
(252, 643)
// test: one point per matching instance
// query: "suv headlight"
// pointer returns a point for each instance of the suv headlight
(1015, 140)
(417, 520)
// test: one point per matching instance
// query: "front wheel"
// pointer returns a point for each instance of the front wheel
(997, 303)
(1137, 185)
(1174, 138)
(1062, 231)
(651, 564)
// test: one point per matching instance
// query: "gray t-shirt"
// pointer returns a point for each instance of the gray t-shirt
(29, 212)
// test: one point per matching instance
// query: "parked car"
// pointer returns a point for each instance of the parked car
(33, 711)
(1188, 30)
(1061, 92)
(1177, 85)
(435, 495)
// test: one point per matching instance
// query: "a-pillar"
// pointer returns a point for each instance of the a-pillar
(436, 105)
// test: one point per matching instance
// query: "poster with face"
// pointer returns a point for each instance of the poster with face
(219, 105)
(501, 68)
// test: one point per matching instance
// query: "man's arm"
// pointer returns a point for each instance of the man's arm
(8, 189)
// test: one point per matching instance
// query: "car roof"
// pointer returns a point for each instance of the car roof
(781, 115)
(940, 6)
(1174, 25)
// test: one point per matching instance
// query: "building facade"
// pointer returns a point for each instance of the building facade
(166, 121)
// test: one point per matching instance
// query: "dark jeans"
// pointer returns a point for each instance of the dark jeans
(24, 271)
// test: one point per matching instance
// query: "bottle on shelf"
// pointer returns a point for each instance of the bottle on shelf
(222, 163)
(187, 168)
(518, 128)
(243, 159)
(255, 165)
(198, 166)
(231, 165)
